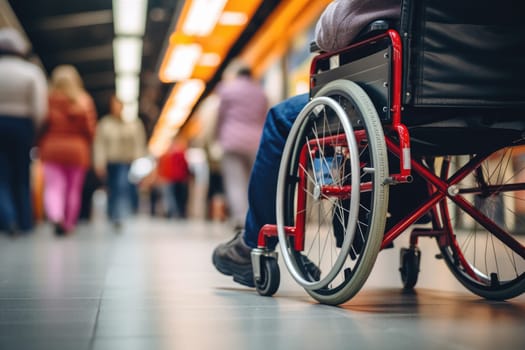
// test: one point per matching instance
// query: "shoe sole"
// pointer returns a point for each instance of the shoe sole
(244, 277)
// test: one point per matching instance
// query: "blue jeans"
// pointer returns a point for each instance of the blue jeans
(121, 193)
(263, 179)
(16, 140)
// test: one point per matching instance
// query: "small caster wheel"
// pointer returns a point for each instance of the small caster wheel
(268, 283)
(409, 259)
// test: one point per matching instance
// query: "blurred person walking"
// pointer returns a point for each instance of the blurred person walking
(23, 108)
(205, 118)
(91, 184)
(65, 147)
(242, 112)
(117, 144)
(174, 174)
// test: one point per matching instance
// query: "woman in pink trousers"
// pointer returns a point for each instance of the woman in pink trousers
(65, 147)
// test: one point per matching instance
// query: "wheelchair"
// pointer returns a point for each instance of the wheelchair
(436, 98)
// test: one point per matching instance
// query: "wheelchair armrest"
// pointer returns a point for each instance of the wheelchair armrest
(372, 29)
(314, 48)
(375, 28)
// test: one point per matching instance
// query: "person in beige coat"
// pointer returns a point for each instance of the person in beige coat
(117, 144)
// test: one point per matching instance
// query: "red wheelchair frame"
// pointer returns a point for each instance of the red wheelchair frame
(440, 189)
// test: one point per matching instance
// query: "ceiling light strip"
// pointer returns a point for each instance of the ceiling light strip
(175, 112)
(127, 52)
(129, 17)
(180, 62)
(202, 17)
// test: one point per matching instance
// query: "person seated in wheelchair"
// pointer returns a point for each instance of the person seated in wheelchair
(339, 25)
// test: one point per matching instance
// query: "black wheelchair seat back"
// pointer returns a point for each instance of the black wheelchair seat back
(466, 53)
(463, 74)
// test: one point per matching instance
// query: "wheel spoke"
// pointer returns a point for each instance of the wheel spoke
(487, 258)
(323, 131)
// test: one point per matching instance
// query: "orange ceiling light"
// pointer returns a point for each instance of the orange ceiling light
(181, 61)
(230, 25)
(206, 28)
(179, 104)
(273, 38)
(202, 17)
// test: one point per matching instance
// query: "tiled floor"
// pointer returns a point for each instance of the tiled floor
(152, 286)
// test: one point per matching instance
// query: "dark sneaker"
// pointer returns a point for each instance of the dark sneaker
(233, 259)
(117, 225)
(12, 230)
(59, 229)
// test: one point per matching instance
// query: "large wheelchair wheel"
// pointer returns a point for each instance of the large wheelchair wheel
(332, 193)
(485, 248)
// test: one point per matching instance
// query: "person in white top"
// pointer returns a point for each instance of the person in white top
(23, 108)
